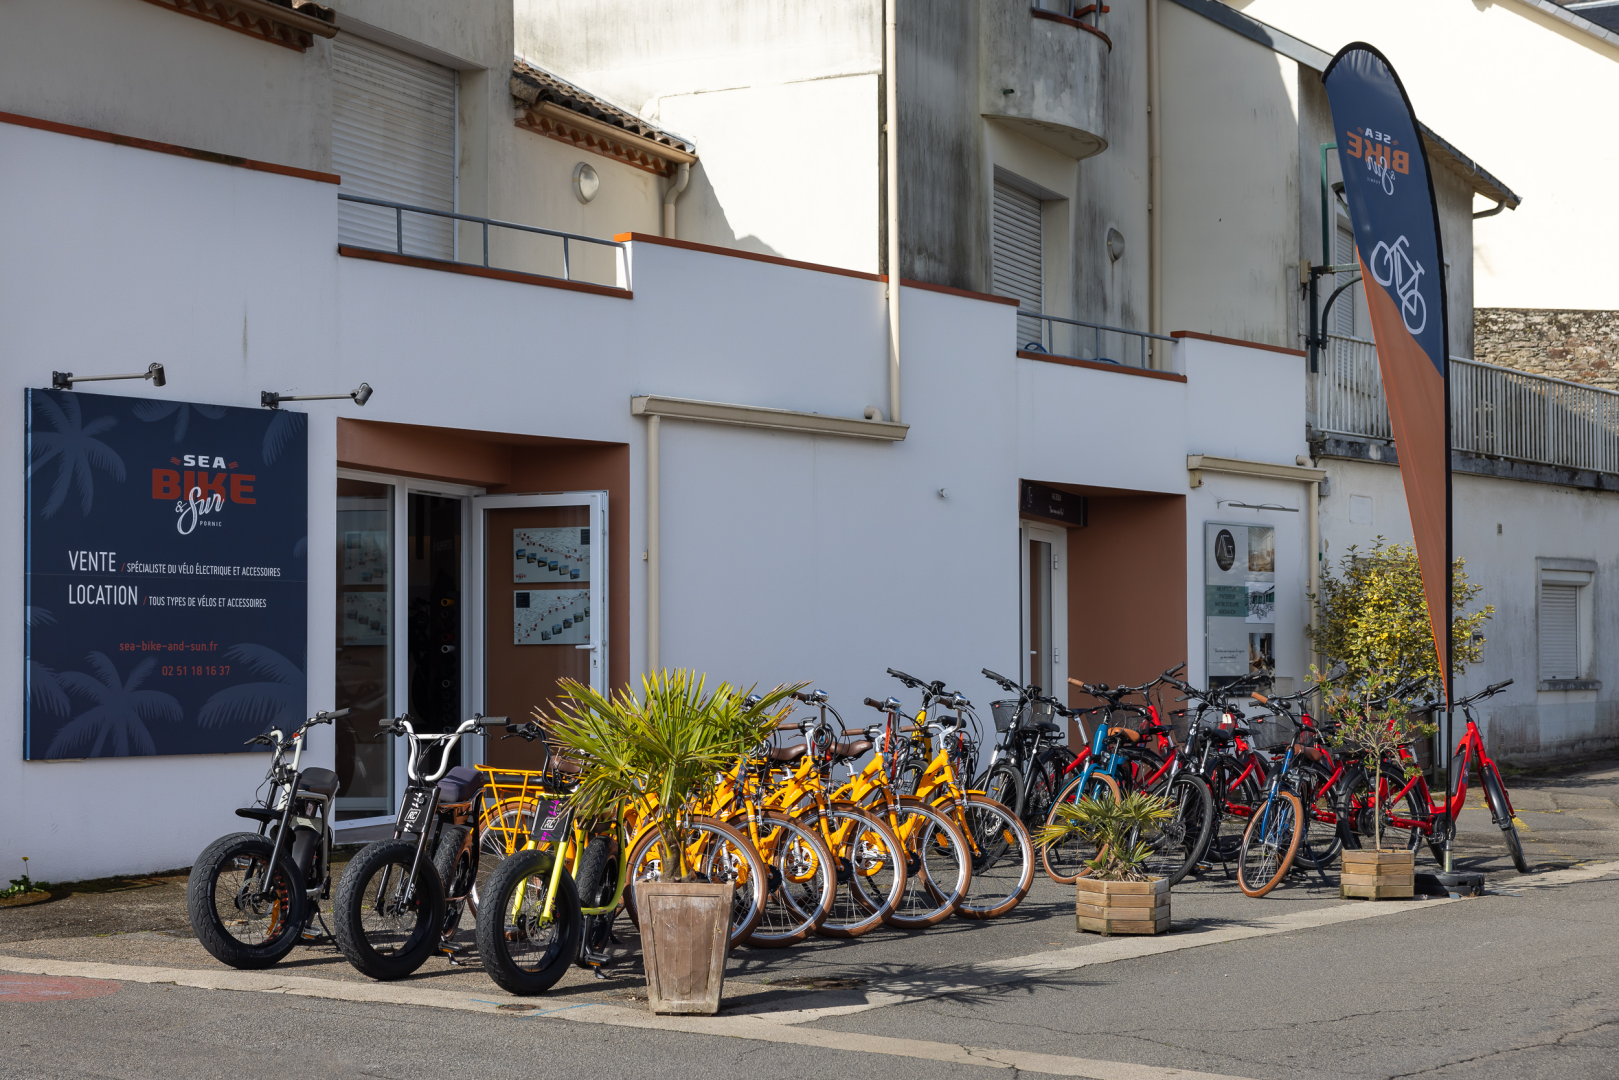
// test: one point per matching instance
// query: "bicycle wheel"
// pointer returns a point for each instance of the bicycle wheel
(1355, 804)
(1065, 860)
(502, 831)
(938, 865)
(386, 924)
(1320, 801)
(1496, 795)
(595, 881)
(1004, 784)
(1182, 839)
(1236, 791)
(870, 864)
(802, 877)
(715, 852)
(453, 861)
(524, 948)
(1003, 857)
(243, 913)
(1269, 844)
(1044, 783)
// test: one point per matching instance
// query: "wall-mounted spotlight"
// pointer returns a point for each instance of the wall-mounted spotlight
(64, 380)
(272, 400)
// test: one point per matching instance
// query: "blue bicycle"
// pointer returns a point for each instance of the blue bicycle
(1279, 825)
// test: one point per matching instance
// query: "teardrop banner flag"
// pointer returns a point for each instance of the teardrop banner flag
(1389, 188)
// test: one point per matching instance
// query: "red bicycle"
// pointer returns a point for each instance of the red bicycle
(1411, 814)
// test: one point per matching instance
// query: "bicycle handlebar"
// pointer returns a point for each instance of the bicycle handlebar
(1005, 683)
(494, 721)
(911, 681)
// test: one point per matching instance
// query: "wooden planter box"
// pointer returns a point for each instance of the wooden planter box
(1378, 875)
(684, 931)
(1123, 907)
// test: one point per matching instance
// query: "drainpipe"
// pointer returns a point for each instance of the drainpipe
(677, 184)
(653, 605)
(1155, 180)
(891, 162)
(1315, 561)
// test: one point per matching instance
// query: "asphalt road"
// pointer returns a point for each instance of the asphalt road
(1520, 982)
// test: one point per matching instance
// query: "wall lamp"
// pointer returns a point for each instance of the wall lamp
(64, 380)
(1260, 506)
(272, 400)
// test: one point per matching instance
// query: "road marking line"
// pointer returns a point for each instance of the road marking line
(734, 1027)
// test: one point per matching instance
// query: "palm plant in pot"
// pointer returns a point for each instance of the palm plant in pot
(1115, 894)
(663, 750)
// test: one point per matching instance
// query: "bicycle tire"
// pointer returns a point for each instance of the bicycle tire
(1005, 785)
(1070, 855)
(525, 952)
(222, 911)
(1355, 802)
(1272, 852)
(996, 834)
(726, 856)
(502, 832)
(386, 937)
(595, 881)
(453, 861)
(802, 881)
(1496, 793)
(938, 868)
(1236, 792)
(1322, 811)
(1182, 839)
(870, 864)
(1046, 781)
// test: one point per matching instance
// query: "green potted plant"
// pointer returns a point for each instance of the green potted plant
(669, 744)
(1370, 723)
(1116, 895)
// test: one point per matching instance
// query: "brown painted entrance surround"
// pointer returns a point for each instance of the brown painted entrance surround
(1126, 588)
(511, 464)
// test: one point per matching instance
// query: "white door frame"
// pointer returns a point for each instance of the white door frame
(1057, 537)
(404, 487)
(597, 503)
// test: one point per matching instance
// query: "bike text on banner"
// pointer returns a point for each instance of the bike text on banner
(1389, 189)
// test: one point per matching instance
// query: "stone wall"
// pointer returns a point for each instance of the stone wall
(1580, 346)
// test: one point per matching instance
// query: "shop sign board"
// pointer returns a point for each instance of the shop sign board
(1239, 600)
(166, 575)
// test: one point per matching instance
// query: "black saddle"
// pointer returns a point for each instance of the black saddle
(322, 782)
(459, 785)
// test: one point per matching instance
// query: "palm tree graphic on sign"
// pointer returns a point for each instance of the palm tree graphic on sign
(277, 702)
(44, 691)
(152, 411)
(119, 715)
(75, 449)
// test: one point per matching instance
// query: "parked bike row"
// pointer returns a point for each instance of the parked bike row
(912, 833)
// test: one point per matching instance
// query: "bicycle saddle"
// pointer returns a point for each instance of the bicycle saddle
(787, 753)
(850, 749)
(1129, 734)
(319, 782)
(459, 785)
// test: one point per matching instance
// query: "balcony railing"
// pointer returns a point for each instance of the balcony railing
(517, 254)
(1069, 338)
(1494, 411)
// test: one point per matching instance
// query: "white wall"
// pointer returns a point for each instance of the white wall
(1466, 67)
(1535, 521)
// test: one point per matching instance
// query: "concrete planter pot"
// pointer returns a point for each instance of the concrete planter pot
(1378, 875)
(684, 930)
(1122, 907)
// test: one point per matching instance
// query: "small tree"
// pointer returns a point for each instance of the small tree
(1122, 830)
(1374, 621)
(1373, 723)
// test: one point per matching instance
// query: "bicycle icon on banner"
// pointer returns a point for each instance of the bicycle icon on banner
(1393, 265)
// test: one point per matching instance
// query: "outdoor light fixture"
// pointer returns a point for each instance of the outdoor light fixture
(1260, 506)
(64, 380)
(272, 400)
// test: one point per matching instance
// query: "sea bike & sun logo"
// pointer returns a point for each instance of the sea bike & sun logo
(199, 492)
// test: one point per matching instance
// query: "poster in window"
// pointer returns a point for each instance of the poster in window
(1239, 600)
(547, 555)
(365, 557)
(551, 617)
(365, 618)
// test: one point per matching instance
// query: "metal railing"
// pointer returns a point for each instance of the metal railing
(620, 264)
(1494, 411)
(1052, 325)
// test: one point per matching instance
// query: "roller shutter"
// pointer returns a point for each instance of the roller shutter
(1559, 631)
(1018, 269)
(393, 137)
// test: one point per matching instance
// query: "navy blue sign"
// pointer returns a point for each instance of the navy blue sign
(167, 567)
